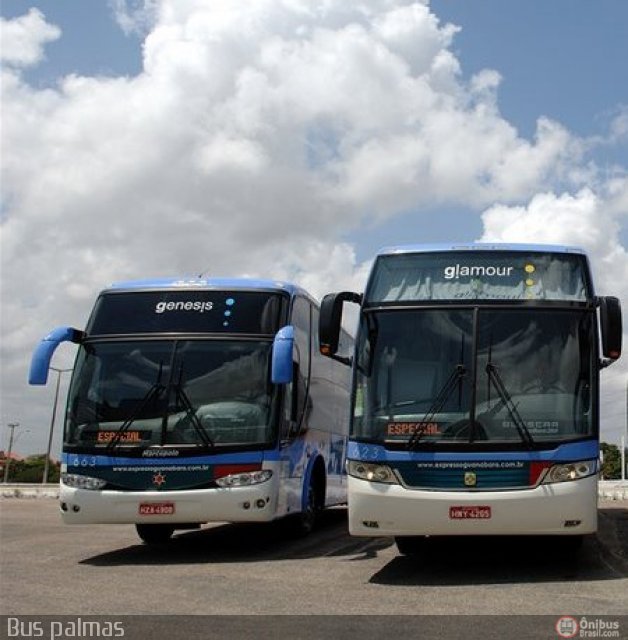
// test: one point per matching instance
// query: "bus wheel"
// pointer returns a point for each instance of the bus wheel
(154, 533)
(410, 545)
(304, 522)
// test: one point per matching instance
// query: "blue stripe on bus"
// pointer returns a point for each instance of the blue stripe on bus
(88, 460)
(563, 453)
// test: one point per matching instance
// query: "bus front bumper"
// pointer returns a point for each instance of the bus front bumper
(236, 504)
(567, 508)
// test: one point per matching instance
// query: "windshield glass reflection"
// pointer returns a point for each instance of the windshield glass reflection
(450, 376)
(188, 392)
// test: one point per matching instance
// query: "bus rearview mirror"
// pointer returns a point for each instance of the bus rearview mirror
(330, 320)
(40, 362)
(611, 327)
(281, 364)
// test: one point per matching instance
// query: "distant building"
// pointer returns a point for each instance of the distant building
(14, 456)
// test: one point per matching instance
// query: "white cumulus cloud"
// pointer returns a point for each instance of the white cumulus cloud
(24, 38)
(583, 219)
(258, 135)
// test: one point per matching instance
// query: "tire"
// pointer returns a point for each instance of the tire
(306, 520)
(410, 545)
(304, 523)
(154, 533)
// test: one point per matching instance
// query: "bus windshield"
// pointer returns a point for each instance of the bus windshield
(475, 375)
(143, 393)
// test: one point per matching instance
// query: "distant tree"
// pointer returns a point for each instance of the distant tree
(611, 461)
(31, 469)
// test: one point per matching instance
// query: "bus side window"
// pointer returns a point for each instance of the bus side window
(296, 395)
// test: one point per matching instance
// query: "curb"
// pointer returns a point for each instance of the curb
(29, 490)
(613, 490)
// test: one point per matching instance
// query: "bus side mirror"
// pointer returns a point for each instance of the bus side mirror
(611, 328)
(40, 362)
(330, 321)
(281, 363)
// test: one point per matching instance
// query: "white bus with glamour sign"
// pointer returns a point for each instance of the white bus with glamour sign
(200, 400)
(475, 404)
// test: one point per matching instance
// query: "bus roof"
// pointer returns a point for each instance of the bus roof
(479, 246)
(174, 284)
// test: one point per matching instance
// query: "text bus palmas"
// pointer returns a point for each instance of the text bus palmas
(197, 401)
(475, 392)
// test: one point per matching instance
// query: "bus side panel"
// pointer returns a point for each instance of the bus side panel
(329, 418)
(322, 418)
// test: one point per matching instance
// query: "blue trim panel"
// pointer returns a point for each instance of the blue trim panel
(157, 474)
(485, 479)
(567, 452)
(87, 460)
(281, 363)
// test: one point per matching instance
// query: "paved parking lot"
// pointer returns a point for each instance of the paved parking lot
(244, 569)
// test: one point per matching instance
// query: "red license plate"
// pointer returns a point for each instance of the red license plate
(156, 508)
(470, 513)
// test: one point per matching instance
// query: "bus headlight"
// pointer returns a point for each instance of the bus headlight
(372, 472)
(245, 479)
(570, 471)
(77, 481)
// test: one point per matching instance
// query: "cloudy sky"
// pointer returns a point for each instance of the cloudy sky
(292, 139)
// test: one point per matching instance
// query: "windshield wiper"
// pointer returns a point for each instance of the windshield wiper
(400, 403)
(454, 379)
(150, 396)
(495, 378)
(182, 398)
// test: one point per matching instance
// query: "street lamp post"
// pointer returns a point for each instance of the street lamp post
(624, 442)
(44, 479)
(13, 426)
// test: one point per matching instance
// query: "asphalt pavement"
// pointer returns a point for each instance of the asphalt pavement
(613, 531)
